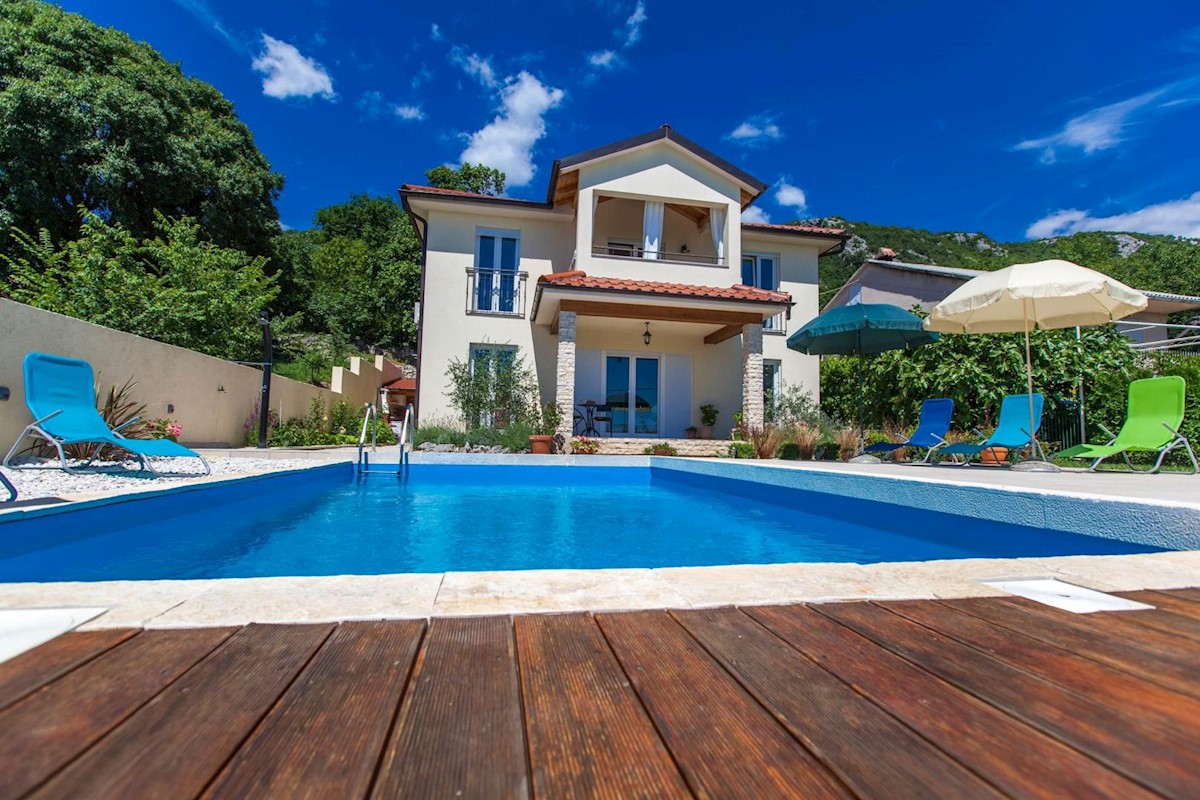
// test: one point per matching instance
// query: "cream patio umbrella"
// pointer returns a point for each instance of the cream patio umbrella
(1045, 294)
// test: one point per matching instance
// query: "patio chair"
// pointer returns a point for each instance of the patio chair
(1012, 430)
(1152, 423)
(932, 427)
(60, 393)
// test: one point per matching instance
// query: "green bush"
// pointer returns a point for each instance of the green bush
(661, 448)
(516, 437)
(789, 451)
(741, 450)
(439, 434)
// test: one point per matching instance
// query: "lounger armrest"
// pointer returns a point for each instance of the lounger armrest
(125, 424)
(1173, 430)
(51, 415)
(1112, 437)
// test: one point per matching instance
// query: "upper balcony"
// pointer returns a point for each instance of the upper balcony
(625, 228)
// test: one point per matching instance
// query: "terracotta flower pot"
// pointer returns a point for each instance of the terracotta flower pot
(995, 456)
(706, 431)
(540, 445)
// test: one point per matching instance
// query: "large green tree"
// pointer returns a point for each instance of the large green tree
(89, 118)
(468, 178)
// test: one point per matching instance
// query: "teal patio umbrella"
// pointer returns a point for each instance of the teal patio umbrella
(861, 329)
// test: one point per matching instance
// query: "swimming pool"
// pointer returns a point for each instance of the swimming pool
(467, 518)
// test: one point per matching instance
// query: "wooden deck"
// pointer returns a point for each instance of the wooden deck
(967, 698)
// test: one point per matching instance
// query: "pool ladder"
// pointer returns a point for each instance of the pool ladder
(371, 423)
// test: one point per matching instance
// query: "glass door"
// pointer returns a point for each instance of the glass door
(632, 394)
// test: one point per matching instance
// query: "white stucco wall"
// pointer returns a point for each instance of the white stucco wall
(212, 398)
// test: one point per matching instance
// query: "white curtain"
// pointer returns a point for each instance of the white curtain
(716, 224)
(652, 226)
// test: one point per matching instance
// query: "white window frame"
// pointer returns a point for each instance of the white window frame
(494, 348)
(634, 248)
(497, 234)
(777, 323)
(633, 356)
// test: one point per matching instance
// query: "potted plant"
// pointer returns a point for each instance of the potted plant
(660, 449)
(994, 456)
(708, 420)
(541, 441)
(692, 431)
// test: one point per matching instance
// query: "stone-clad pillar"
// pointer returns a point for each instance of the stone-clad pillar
(564, 388)
(752, 375)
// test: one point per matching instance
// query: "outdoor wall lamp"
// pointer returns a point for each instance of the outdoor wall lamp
(646, 335)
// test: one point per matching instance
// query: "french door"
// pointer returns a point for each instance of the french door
(632, 392)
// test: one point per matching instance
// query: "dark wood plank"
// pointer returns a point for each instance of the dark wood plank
(1087, 635)
(1017, 758)
(325, 736)
(21, 675)
(726, 744)
(1143, 752)
(1192, 594)
(873, 752)
(588, 733)
(50, 727)
(174, 745)
(1166, 601)
(459, 732)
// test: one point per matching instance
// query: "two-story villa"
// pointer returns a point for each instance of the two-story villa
(635, 285)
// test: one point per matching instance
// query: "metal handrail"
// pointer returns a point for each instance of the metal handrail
(636, 251)
(368, 418)
(494, 278)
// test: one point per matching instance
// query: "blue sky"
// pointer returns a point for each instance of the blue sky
(1015, 119)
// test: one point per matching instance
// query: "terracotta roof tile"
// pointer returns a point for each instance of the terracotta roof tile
(409, 187)
(578, 279)
(766, 226)
(401, 383)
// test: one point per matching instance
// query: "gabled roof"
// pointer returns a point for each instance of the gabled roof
(578, 279)
(409, 190)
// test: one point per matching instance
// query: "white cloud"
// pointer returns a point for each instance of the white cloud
(409, 113)
(435, 33)
(370, 104)
(759, 129)
(506, 143)
(604, 59)
(421, 76)
(790, 196)
(1106, 127)
(755, 214)
(1174, 217)
(633, 25)
(289, 73)
(200, 10)
(475, 65)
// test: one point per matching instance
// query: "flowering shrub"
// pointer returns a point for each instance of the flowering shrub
(660, 449)
(164, 429)
(585, 446)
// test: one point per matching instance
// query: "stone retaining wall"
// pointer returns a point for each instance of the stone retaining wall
(686, 447)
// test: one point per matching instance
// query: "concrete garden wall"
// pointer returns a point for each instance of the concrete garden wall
(211, 398)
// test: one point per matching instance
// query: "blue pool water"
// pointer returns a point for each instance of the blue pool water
(496, 518)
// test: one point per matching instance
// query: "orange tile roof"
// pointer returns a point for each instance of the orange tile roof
(577, 279)
(408, 187)
(766, 226)
(409, 384)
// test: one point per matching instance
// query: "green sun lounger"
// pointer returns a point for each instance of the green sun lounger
(60, 393)
(1151, 425)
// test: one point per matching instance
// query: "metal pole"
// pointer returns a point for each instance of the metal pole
(862, 436)
(1082, 418)
(264, 398)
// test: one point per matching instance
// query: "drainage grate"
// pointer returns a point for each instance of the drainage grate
(1067, 596)
(23, 629)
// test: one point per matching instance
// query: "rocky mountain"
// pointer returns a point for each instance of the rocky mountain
(1145, 261)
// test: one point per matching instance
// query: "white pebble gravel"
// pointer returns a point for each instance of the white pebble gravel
(41, 483)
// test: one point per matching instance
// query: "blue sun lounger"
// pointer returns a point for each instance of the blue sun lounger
(1012, 430)
(931, 431)
(60, 393)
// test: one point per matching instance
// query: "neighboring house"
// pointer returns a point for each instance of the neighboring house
(883, 280)
(635, 284)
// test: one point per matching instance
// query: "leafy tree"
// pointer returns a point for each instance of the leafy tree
(467, 178)
(90, 118)
(976, 371)
(361, 270)
(174, 287)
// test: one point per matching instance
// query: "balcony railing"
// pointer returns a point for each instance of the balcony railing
(497, 292)
(636, 251)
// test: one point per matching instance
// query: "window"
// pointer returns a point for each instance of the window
(762, 271)
(497, 254)
(772, 387)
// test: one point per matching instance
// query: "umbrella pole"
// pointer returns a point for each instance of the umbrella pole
(1035, 462)
(862, 436)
